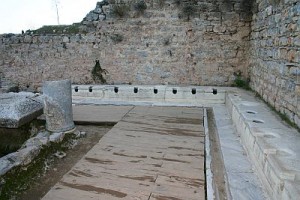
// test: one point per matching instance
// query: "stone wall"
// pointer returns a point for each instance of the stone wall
(275, 55)
(159, 46)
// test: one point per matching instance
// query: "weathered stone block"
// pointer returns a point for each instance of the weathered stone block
(219, 29)
(27, 39)
(269, 10)
(66, 39)
(17, 109)
(214, 16)
(230, 18)
(209, 28)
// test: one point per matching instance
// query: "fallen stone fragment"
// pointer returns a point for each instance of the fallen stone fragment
(56, 137)
(17, 109)
(60, 154)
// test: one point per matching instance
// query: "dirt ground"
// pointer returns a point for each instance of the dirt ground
(59, 167)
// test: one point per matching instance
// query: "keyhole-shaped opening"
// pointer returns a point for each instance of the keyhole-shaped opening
(194, 91)
(116, 89)
(174, 91)
(155, 91)
(91, 89)
(76, 89)
(215, 91)
(135, 90)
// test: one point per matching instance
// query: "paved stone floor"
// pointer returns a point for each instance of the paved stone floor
(152, 153)
(99, 114)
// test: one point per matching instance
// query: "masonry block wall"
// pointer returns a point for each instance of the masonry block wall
(275, 55)
(159, 46)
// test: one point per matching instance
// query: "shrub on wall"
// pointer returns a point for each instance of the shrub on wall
(240, 82)
(116, 38)
(140, 6)
(97, 73)
(188, 10)
(119, 10)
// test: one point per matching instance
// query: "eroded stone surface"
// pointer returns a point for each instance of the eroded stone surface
(271, 145)
(58, 105)
(17, 109)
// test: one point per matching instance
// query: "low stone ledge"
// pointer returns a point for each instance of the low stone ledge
(240, 179)
(151, 94)
(272, 146)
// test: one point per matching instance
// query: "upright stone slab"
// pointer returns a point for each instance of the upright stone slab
(17, 109)
(58, 105)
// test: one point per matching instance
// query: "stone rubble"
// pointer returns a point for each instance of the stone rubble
(30, 150)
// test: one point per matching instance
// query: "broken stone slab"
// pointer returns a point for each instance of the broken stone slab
(29, 151)
(7, 163)
(60, 154)
(21, 157)
(17, 109)
(40, 140)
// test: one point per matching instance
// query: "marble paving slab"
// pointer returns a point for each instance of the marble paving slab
(152, 153)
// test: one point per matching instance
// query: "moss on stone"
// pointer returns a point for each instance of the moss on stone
(282, 116)
(13, 139)
(240, 81)
(21, 178)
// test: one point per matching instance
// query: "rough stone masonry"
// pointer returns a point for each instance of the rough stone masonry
(275, 55)
(258, 39)
(158, 46)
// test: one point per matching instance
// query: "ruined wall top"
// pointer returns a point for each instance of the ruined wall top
(199, 42)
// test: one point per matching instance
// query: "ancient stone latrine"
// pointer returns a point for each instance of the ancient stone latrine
(199, 42)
